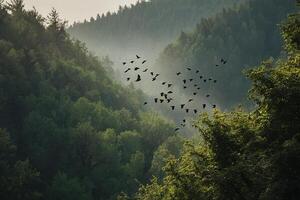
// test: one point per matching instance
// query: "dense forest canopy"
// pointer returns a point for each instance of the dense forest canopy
(243, 37)
(245, 155)
(67, 131)
(70, 131)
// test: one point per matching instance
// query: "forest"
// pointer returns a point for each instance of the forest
(70, 130)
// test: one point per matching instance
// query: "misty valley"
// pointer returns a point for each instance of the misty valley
(158, 100)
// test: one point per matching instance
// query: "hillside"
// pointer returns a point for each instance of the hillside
(145, 27)
(242, 36)
(67, 131)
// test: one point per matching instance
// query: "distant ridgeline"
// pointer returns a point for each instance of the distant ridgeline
(147, 25)
(243, 36)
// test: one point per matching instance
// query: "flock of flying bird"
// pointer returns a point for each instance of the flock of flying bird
(167, 96)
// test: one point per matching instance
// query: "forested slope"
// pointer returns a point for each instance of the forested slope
(67, 131)
(245, 155)
(243, 36)
(145, 27)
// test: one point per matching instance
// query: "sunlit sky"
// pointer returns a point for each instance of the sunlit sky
(77, 10)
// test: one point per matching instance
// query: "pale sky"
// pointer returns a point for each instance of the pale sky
(76, 10)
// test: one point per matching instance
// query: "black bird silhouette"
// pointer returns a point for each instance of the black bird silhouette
(144, 61)
(138, 78)
(154, 79)
(138, 57)
(195, 93)
(187, 110)
(137, 68)
(184, 87)
(124, 63)
(162, 94)
(190, 100)
(191, 80)
(161, 100)
(152, 73)
(127, 70)
(155, 100)
(168, 100)
(197, 71)
(225, 61)
(128, 79)
(195, 111)
(203, 105)
(177, 129)
(145, 103)
(178, 73)
(195, 85)
(183, 125)
(182, 106)
(198, 88)
(207, 95)
(184, 81)
(169, 85)
(189, 69)
(156, 75)
(214, 106)
(131, 61)
(204, 80)
(215, 81)
(145, 70)
(183, 120)
(201, 77)
(210, 79)
(173, 107)
(166, 96)
(170, 92)
(164, 83)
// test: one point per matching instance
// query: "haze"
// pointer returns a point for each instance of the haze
(77, 10)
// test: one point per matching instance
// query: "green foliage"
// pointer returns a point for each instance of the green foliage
(243, 36)
(78, 134)
(245, 155)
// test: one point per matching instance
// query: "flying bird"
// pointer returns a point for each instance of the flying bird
(183, 120)
(173, 107)
(195, 111)
(197, 71)
(169, 85)
(155, 100)
(154, 79)
(128, 79)
(138, 57)
(152, 73)
(170, 92)
(168, 100)
(145, 103)
(189, 69)
(214, 106)
(161, 100)
(178, 73)
(190, 100)
(204, 80)
(145, 70)
(195, 85)
(215, 81)
(187, 110)
(176, 129)
(138, 78)
(127, 70)
(195, 93)
(144, 61)
(162, 94)
(164, 83)
(207, 95)
(191, 80)
(166, 96)
(198, 88)
(182, 106)
(124, 63)
(184, 87)
(203, 105)
(184, 81)
(137, 68)
(201, 77)
(131, 61)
